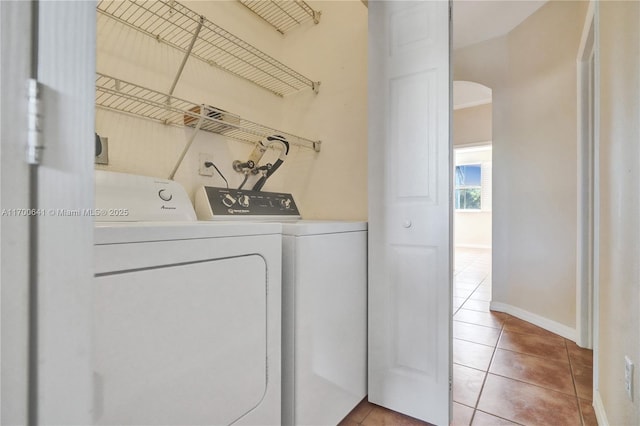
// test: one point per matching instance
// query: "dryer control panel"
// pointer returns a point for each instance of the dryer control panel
(227, 204)
(123, 197)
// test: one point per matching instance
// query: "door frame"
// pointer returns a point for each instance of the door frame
(588, 183)
(47, 256)
(15, 62)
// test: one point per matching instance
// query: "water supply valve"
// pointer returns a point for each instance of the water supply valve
(241, 167)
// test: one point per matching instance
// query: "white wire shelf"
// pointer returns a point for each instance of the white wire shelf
(174, 24)
(283, 15)
(117, 95)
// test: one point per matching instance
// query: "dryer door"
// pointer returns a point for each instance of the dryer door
(181, 344)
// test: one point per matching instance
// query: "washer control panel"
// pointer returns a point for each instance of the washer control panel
(227, 203)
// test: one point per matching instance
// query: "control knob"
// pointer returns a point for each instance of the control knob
(165, 195)
(244, 200)
(286, 203)
(228, 200)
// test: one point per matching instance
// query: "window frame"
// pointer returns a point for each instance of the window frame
(457, 187)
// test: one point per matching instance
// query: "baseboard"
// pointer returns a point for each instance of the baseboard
(477, 246)
(598, 407)
(547, 324)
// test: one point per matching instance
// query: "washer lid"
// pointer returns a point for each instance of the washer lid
(317, 227)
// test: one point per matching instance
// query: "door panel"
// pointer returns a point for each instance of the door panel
(413, 167)
(409, 209)
(411, 355)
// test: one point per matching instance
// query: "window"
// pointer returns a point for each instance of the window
(468, 187)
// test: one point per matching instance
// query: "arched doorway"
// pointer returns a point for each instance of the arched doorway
(472, 183)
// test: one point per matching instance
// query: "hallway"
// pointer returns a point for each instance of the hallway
(506, 371)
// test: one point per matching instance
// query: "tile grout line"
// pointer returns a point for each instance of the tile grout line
(484, 381)
(479, 325)
(470, 294)
(370, 411)
(499, 417)
(494, 347)
(496, 344)
(476, 343)
(532, 384)
(573, 381)
(533, 355)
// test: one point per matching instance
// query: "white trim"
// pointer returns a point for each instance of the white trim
(475, 246)
(588, 22)
(586, 242)
(547, 324)
(598, 407)
(472, 104)
(596, 197)
(473, 146)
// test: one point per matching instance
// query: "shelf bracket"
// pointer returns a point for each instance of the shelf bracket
(186, 57)
(316, 145)
(316, 87)
(188, 145)
(316, 16)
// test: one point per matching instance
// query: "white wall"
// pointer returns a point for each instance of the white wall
(619, 295)
(532, 72)
(332, 185)
(327, 185)
(473, 125)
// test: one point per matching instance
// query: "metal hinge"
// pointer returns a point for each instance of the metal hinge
(35, 140)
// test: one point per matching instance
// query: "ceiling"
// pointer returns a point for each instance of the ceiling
(479, 20)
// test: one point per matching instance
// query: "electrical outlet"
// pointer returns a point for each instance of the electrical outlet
(102, 150)
(628, 377)
(205, 171)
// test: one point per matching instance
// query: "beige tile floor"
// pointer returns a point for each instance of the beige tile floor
(505, 371)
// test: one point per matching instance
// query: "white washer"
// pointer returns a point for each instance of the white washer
(324, 305)
(186, 315)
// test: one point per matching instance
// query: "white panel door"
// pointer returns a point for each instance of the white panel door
(409, 209)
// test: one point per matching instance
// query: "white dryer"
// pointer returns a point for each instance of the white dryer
(186, 315)
(324, 305)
